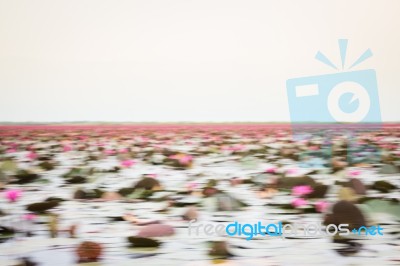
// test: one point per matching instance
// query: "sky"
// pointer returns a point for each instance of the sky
(183, 60)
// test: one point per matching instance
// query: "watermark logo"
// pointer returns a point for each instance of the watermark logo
(340, 102)
(348, 96)
(250, 230)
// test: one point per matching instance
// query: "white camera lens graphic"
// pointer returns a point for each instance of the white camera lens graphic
(359, 93)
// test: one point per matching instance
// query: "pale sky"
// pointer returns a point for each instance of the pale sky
(181, 60)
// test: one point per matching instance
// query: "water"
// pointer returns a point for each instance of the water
(96, 219)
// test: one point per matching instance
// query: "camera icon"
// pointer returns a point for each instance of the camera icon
(347, 97)
(335, 104)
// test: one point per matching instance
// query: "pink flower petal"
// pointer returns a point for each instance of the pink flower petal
(192, 186)
(127, 163)
(109, 152)
(301, 190)
(291, 171)
(32, 155)
(354, 172)
(299, 202)
(29, 217)
(271, 170)
(321, 206)
(67, 148)
(124, 150)
(13, 194)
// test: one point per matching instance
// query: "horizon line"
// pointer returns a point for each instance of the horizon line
(179, 122)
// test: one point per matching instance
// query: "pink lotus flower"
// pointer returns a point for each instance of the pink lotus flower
(237, 147)
(271, 170)
(13, 194)
(29, 217)
(67, 148)
(141, 139)
(303, 141)
(82, 137)
(186, 159)
(13, 145)
(192, 185)
(301, 190)
(291, 171)
(11, 150)
(109, 152)
(321, 206)
(32, 155)
(354, 173)
(124, 150)
(127, 163)
(183, 159)
(299, 202)
(152, 175)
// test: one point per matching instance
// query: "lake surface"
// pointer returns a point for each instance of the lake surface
(241, 161)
